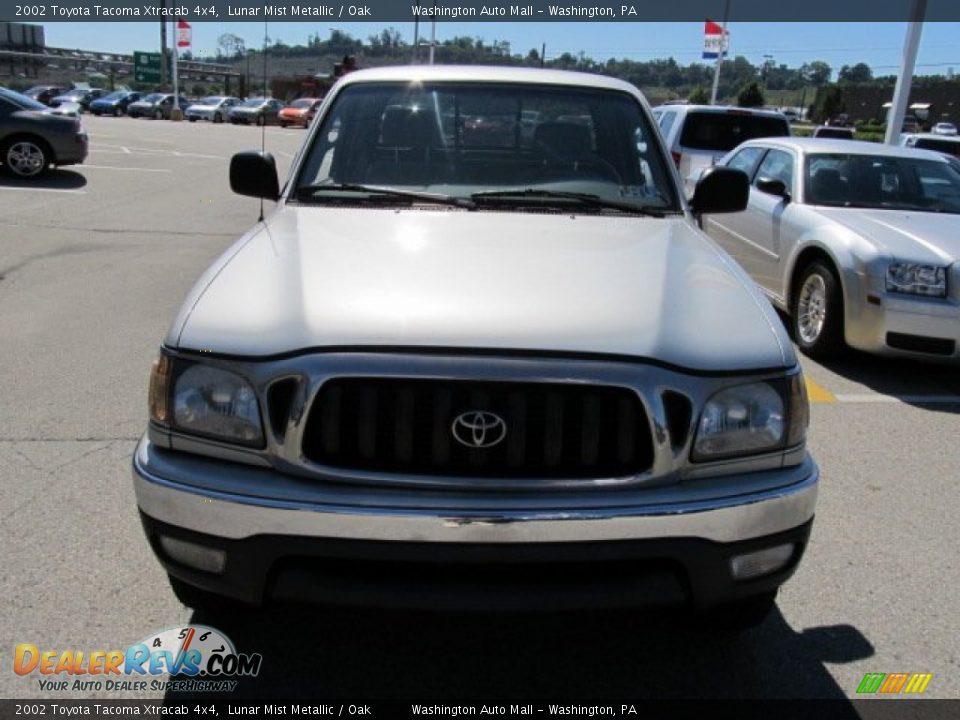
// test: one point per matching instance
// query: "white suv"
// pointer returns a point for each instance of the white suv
(699, 135)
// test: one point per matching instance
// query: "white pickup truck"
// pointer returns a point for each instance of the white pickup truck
(479, 355)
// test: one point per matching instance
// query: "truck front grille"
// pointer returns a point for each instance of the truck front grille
(410, 426)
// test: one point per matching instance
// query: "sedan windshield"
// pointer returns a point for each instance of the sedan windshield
(488, 144)
(882, 182)
(213, 100)
(153, 97)
(118, 95)
(253, 102)
(301, 103)
(21, 101)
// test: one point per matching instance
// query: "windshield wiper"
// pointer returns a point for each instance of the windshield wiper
(440, 199)
(582, 198)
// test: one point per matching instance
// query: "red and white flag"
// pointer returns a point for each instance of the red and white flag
(715, 41)
(183, 34)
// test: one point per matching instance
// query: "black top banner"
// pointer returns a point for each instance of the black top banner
(396, 11)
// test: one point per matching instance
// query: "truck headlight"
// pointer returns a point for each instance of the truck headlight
(916, 279)
(750, 419)
(205, 400)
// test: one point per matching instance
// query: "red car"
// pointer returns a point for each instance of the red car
(300, 112)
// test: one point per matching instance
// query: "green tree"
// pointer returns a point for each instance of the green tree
(750, 96)
(829, 104)
(816, 72)
(859, 73)
(698, 96)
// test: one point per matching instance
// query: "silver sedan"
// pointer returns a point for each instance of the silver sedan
(859, 243)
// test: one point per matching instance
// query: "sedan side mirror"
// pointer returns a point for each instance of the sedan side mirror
(773, 186)
(721, 190)
(254, 173)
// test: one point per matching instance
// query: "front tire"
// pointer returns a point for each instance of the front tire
(261, 120)
(817, 312)
(26, 158)
(217, 118)
(158, 115)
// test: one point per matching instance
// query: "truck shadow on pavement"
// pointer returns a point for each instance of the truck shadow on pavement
(367, 654)
(54, 180)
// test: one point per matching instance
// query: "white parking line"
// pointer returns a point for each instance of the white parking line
(866, 398)
(40, 189)
(132, 169)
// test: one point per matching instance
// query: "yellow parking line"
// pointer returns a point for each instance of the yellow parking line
(818, 393)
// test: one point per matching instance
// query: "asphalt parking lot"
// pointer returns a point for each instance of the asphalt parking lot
(94, 262)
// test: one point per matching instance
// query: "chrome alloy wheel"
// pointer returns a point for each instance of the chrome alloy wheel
(26, 158)
(812, 309)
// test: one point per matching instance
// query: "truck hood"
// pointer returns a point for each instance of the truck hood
(315, 277)
(905, 235)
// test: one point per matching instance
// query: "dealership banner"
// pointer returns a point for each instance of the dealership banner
(716, 41)
(471, 10)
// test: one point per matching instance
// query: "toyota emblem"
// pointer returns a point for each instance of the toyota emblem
(479, 429)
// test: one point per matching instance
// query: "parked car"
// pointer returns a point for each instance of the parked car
(699, 135)
(857, 242)
(44, 93)
(300, 112)
(944, 128)
(67, 109)
(80, 96)
(929, 141)
(527, 367)
(215, 108)
(257, 111)
(115, 103)
(835, 132)
(156, 106)
(32, 138)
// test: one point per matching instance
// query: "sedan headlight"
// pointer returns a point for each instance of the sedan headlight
(205, 400)
(917, 279)
(751, 419)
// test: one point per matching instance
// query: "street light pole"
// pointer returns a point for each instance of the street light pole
(720, 54)
(901, 94)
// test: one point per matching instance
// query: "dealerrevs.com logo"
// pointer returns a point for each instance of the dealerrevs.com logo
(192, 658)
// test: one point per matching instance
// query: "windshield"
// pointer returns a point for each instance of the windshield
(301, 103)
(21, 101)
(118, 95)
(153, 97)
(834, 132)
(527, 144)
(952, 147)
(212, 100)
(723, 131)
(882, 182)
(253, 102)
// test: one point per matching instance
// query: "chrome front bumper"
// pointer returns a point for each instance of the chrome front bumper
(234, 501)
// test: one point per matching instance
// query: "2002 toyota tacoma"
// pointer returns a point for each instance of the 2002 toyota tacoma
(479, 355)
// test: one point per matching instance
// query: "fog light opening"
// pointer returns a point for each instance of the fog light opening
(192, 555)
(762, 562)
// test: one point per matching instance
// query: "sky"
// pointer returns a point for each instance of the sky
(877, 44)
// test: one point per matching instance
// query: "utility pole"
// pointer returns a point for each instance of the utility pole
(176, 80)
(543, 54)
(721, 53)
(901, 94)
(416, 35)
(433, 38)
(163, 46)
(266, 39)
